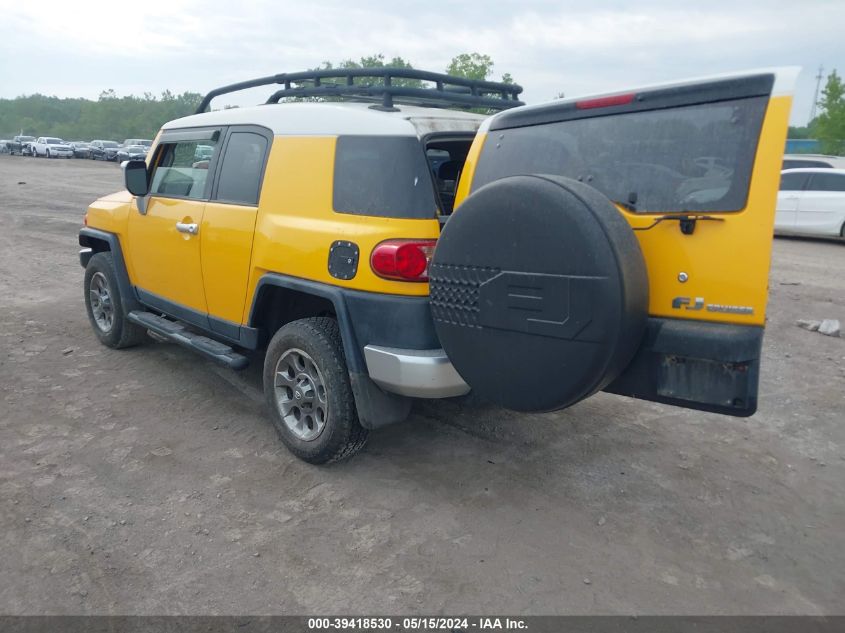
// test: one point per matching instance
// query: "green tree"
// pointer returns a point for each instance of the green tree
(830, 124)
(471, 66)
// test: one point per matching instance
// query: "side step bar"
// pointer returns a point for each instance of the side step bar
(179, 334)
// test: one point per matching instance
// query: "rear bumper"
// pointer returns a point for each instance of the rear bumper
(414, 373)
(696, 365)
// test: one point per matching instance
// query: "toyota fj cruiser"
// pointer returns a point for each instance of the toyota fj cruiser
(617, 243)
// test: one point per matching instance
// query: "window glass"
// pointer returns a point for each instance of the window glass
(180, 171)
(827, 182)
(243, 163)
(384, 176)
(689, 158)
(793, 182)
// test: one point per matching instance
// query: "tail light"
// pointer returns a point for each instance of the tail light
(405, 260)
(604, 102)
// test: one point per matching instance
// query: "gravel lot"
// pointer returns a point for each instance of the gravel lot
(148, 481)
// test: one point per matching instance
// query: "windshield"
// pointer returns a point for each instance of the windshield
(26, 138)
(136, 149)
(690, 158)
(109, 144)
(54, 141)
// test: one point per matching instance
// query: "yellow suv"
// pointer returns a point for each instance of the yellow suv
(616, 243)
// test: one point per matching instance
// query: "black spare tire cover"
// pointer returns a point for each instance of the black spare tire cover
(539, 292)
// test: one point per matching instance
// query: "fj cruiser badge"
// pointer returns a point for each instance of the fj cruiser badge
(698, 304)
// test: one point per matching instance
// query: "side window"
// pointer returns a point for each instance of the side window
(793, 182)
(182, 169)
(243, 165)
(383, 176)
(827, 182)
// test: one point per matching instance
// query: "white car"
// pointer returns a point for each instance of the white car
(51, 147)
(811, 202)
(800, 161)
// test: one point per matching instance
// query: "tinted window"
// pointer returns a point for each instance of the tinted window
(384, 176)
(827, 182)
(691, 158)
(793, 182)
(178, 172)
(795, 163)
(243, 165)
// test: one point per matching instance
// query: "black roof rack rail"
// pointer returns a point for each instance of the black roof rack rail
(448, 91)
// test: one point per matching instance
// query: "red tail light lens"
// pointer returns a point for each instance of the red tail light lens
(405, 260)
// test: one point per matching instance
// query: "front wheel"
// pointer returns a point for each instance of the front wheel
(307, 388)
(105, 305)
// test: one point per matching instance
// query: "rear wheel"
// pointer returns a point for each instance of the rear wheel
(105, 305)
(307, 388)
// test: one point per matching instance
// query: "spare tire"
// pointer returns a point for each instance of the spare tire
(539, 292)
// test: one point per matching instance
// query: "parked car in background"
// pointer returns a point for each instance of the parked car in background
(104, 150)
(811, 202)
(819, 161)
(131, 152)
(20, 145)
(4, 146)
(81, 149)
(51, 147)
(147, 143)
(203, 152)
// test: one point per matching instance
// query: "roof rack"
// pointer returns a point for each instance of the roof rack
(448, 91)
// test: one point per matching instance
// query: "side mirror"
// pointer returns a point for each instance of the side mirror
(137, 180)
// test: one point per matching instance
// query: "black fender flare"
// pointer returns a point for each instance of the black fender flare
(91, 238)
(376, 408)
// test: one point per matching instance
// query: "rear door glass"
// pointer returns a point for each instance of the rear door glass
(793, 182)
(243, 166)
(689, 158)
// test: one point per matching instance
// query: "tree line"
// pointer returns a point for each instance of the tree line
(829, 126)
(115, 117)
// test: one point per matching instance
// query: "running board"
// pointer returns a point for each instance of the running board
(179, 334)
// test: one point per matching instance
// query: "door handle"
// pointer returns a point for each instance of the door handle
(188, 227)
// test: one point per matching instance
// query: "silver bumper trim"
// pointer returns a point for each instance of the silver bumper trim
(418, 373)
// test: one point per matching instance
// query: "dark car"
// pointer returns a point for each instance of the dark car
(131, 152)
(21, 145)
(104, 150)
(81, 149)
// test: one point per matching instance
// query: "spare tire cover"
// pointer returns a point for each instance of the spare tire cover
(539, 292)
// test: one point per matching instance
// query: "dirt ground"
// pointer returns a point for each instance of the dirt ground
(148, 481)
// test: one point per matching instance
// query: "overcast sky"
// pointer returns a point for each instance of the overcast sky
(80, 47)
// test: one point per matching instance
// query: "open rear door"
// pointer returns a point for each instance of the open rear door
(619, 242)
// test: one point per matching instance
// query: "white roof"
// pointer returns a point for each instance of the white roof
(813, 170)
(336, 118)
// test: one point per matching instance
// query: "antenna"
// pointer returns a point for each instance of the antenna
(816, 95)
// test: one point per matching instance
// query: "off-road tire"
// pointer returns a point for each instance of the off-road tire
(342, 435)
(122, 332)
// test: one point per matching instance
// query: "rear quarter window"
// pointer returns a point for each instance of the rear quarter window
(382, 176)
